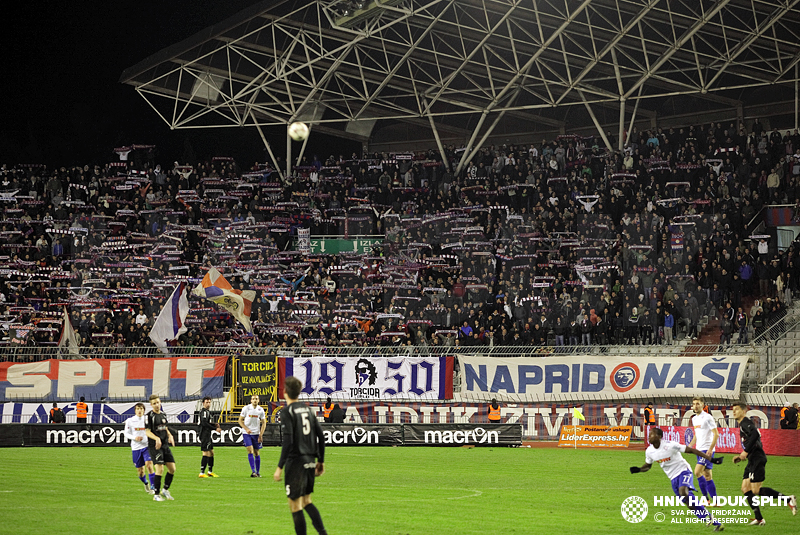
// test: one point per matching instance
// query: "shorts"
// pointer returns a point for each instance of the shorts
(706, 464)
(162, 455)
(299, 477)
(205, 442)
(684, 479)
(755, 470)
(140, 457)
(251, 441)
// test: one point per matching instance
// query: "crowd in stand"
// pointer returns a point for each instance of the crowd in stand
(554, 243)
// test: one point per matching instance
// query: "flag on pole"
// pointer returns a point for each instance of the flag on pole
(171, 322)
(68, 343)
(215, 288)
(576, 413)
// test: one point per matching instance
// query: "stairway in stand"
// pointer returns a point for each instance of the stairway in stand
(709, 335)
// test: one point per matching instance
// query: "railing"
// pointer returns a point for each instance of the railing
(770, 386)
(28, 354)
(779, 328)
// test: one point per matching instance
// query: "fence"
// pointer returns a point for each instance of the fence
(25, 354)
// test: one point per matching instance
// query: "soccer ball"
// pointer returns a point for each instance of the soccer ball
(298, 131)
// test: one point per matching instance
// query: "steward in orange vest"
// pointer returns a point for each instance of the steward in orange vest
(327, 408)
(494, 412)
(57, 415)
(649, 414)
(82, 410)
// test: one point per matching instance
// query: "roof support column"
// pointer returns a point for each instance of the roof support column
(633, 117)
(266, 144)
(595, 121)
(438, 139)
(288, 155)
(303, 148)
(621, 142)
(471, 143)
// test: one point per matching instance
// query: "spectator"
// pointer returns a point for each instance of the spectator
(669, 323)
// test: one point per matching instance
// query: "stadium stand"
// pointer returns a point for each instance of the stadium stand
(558, 243)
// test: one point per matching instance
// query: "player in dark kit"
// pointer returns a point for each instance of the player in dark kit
(303, 453)
(755, 473)
(207, 425)
(159, 440)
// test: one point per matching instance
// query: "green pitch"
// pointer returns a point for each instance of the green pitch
(368, 491)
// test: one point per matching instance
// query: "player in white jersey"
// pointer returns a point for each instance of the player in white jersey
(668, 455)
(705, 439)
(134, 431)
(253, 421)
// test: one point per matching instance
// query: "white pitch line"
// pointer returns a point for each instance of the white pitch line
(475, 494)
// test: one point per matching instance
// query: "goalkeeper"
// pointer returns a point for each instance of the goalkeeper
(668, 455)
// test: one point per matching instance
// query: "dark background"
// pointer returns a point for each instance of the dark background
(62, 103)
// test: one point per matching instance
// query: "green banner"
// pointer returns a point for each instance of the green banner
(339, 245)
(258, 376)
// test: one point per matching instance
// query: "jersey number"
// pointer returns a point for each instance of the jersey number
(306, 424)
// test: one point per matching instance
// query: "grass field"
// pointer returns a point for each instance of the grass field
(390, 491)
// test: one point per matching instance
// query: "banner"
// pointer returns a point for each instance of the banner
(97, 413)
(462, 435)
(238, 303)
(371, 378)
(176, 378)
(594, 436)
(304, 240)
(774, 441)
(257, 376)
(18, 335)
(171, 321)
(16, 435)
(601, 377)
(362, 435)
(113, 435)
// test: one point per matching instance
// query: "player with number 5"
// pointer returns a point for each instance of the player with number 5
(303, 454)
(668, 455)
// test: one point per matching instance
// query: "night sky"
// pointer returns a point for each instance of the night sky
(63, 103)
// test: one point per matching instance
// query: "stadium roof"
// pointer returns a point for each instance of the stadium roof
(470, 72)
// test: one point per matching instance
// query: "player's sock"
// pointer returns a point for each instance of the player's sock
(210, 463)
(157, 484)
(756, 509)
(299, 523)
(712, 489)
(316, 519)
(767, 491)
(152, 479)
(168, 480)
(203, 463)
(258, 464)
(143, 480)
(252, 462)
(701, 482)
